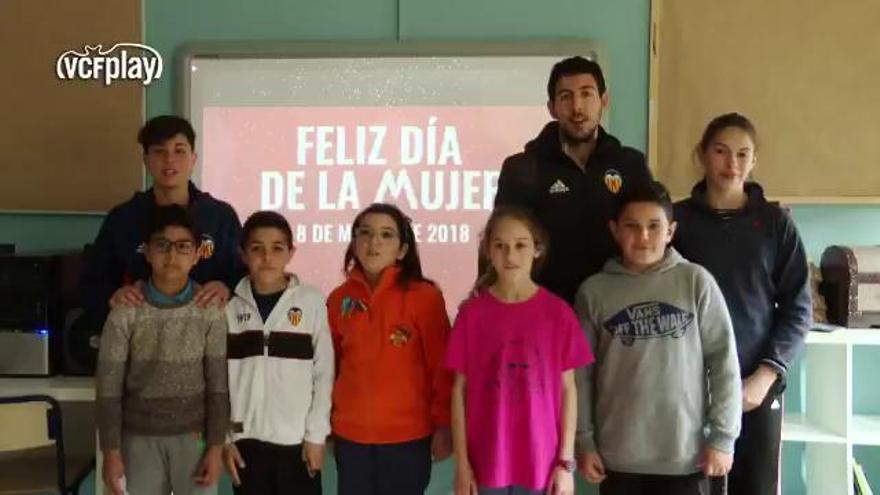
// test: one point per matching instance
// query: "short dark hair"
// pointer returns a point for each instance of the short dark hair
(164, 127)
(411, 264)
(644, 192)
(169, 216)
(266, 220)
(573, 66)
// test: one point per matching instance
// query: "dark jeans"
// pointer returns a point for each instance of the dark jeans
(272, 469)
(617, 483)
(383, 469)
(511, 490)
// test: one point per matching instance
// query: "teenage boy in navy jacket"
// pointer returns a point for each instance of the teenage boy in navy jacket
(116, 264)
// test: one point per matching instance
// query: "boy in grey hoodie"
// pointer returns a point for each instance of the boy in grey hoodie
(663, 340)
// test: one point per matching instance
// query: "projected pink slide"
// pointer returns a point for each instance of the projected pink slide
(320, 166)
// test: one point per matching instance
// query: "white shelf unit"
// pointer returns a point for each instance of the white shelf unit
(827, 426)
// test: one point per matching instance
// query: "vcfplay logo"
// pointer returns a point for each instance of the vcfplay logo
(125, 61)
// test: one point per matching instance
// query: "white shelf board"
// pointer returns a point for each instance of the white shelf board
(854, 336)
(61, 388)
(796, 428)
(866, 429)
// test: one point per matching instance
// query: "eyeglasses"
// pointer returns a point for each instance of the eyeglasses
(367, 234)
(164, 246)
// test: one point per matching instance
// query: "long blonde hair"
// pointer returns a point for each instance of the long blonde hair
(488, 275)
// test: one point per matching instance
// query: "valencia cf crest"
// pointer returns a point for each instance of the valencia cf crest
(295, 316)
(206, 247)
(400, 336)
(613, 180)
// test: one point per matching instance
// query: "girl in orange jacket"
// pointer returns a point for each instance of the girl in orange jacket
(391, 396)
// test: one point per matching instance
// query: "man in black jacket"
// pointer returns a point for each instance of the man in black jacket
(569, 175)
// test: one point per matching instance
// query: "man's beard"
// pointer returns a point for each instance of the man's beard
(573, 140)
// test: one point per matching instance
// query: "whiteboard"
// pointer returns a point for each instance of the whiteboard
(318, 131)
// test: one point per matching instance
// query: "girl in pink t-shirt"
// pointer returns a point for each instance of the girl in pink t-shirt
(514, 348)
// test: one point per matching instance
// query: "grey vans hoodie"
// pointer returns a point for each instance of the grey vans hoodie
(666, 380)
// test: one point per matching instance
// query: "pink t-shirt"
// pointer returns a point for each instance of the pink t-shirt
(513, 356)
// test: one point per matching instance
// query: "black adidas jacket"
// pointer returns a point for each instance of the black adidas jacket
(574, 205)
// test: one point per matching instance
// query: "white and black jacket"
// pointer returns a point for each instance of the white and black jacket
(281, 371)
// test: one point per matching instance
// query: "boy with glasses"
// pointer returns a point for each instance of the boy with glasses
(163, 403)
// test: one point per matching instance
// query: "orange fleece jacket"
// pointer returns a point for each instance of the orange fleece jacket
(390, 384)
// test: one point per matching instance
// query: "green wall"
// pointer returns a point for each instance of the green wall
(42, 232)
(622, 25)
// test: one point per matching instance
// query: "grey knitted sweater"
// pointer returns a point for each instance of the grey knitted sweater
(162, 371)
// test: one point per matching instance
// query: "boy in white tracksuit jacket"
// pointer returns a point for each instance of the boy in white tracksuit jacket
(281, 369)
